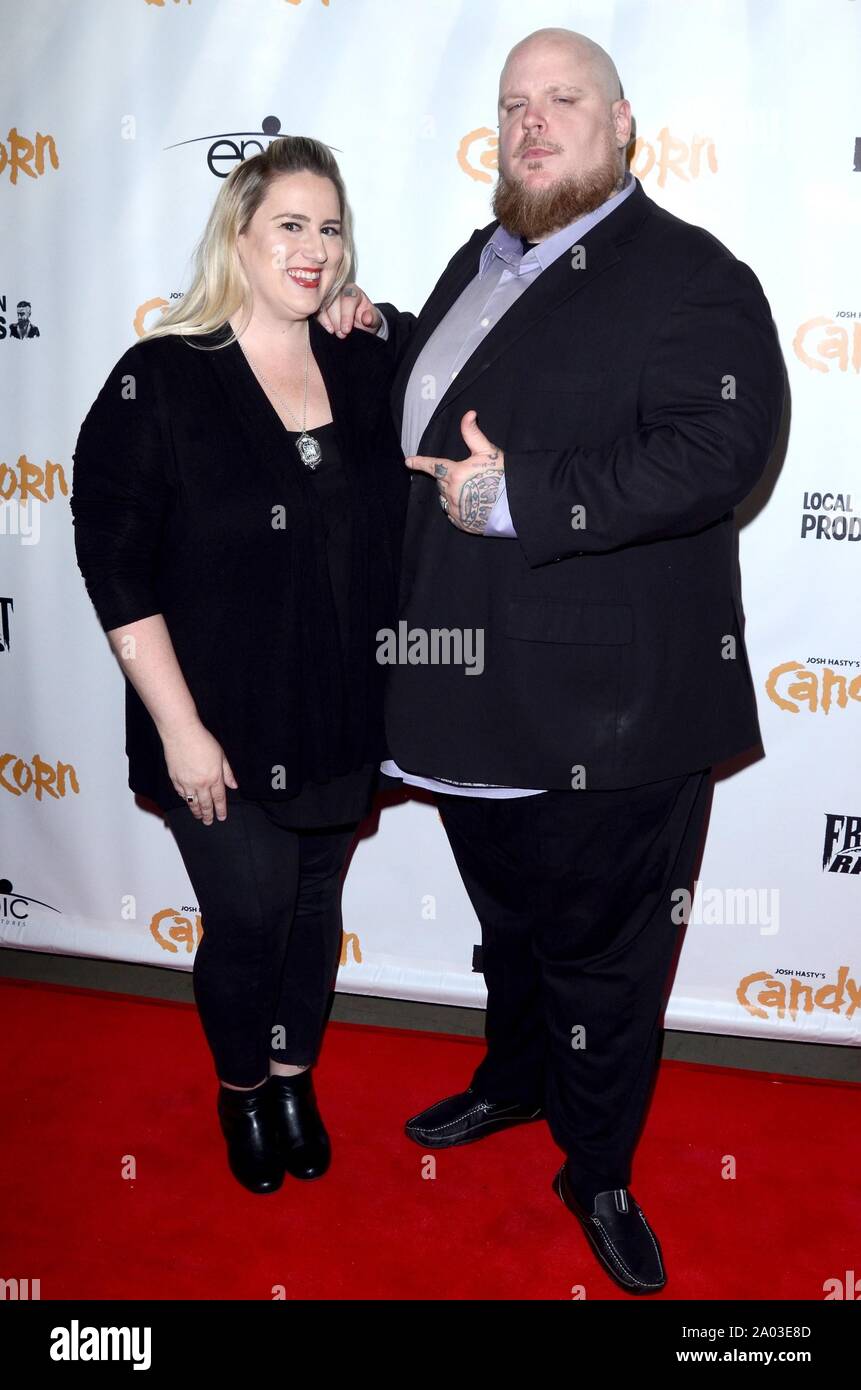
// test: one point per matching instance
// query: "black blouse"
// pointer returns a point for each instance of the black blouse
(190, 499)
(345, 798)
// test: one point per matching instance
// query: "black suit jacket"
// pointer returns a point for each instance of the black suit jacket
(646, 388)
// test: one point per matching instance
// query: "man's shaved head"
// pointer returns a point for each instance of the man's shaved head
(591, 55)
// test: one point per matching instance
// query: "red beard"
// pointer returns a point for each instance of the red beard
(534, 213)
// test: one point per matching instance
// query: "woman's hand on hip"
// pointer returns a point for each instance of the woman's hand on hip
(199, 769)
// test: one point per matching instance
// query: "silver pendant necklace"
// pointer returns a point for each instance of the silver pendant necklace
(309, 448)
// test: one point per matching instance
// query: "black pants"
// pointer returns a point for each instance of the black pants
(573, 893)
(270, 902)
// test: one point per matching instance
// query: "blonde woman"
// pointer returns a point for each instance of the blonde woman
(238, 495)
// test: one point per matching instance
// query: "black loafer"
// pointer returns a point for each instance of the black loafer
(465, 1117)
(620, 1235)
(304, 1144)
(247, 1123)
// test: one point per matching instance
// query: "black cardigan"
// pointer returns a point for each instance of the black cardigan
(189, 499)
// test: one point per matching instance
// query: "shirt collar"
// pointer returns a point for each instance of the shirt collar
(506, 247)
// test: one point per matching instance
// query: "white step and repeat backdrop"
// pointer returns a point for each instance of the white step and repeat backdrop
(119, 117)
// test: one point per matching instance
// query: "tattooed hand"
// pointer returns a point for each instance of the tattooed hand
(468, 487)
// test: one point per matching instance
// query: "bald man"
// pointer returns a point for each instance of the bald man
(590, 390)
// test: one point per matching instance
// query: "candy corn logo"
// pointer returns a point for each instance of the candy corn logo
(153, 307)
(768, 996)
(794, 687)
(477, 154)
(667, 155)
(32, 158)
(350, 947)
(178, 930)
(175, 932)
(37, 778)
(824, 345)
(25, 482)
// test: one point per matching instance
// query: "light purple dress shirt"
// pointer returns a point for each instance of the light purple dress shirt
(505, 272)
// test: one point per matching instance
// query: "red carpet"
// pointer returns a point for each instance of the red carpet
(90, 1078)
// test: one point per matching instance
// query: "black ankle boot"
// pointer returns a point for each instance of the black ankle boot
(248, 1125)
(305, 1148)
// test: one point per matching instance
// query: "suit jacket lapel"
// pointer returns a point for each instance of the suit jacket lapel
(555, 284)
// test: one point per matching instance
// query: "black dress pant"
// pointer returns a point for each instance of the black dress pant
(579, 932)
(270, 901)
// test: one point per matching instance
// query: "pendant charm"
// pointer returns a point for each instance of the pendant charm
(309, 450)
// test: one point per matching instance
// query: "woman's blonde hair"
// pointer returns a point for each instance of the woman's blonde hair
(220, 286)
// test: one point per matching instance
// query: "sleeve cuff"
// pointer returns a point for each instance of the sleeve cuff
(499, 522)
